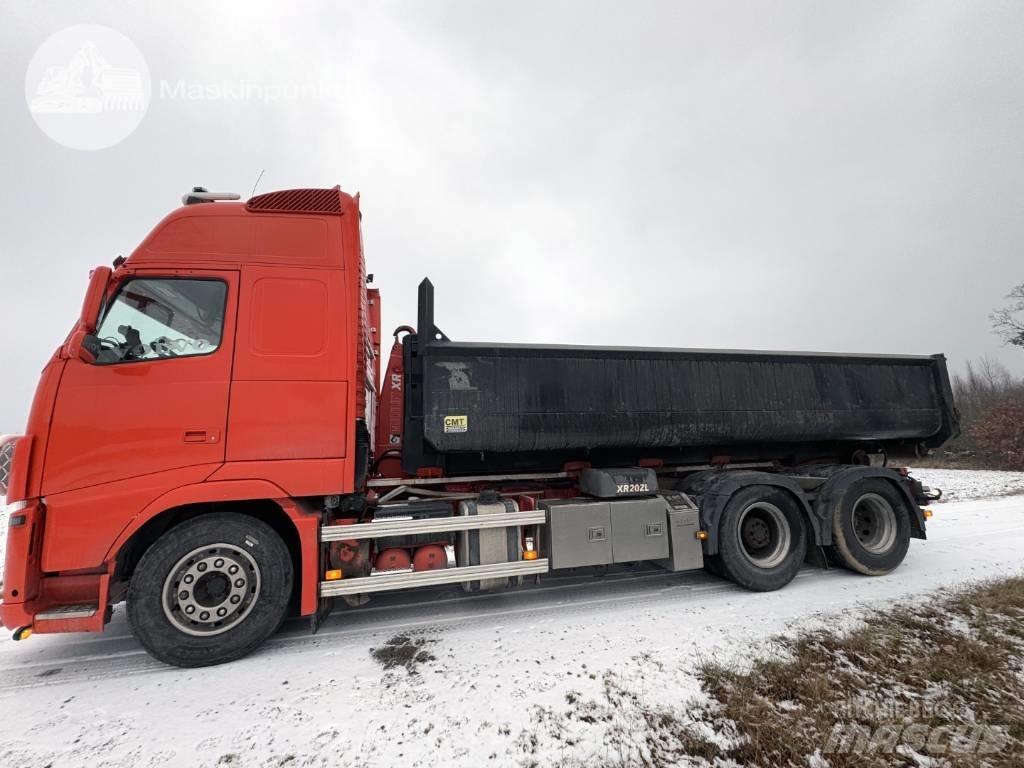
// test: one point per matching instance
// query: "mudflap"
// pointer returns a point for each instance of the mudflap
(323, 610)
(816, 556)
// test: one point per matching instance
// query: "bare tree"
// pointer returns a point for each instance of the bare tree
(999, 435)
(982, 385)
(986, 395)
(1006, 321)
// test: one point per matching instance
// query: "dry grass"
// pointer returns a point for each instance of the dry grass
(937, 684)
(889, 685)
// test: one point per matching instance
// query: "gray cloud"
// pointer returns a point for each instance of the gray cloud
(790, 175)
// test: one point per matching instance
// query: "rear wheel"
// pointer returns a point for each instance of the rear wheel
(870, 528)
(210, 590)
(762, 538)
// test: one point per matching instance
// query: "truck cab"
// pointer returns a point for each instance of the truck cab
(230, 359)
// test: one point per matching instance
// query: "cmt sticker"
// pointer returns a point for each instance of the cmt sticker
(456, 424)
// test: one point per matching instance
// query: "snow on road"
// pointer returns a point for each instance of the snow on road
(503, 664)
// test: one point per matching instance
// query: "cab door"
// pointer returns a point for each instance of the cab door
(156, 397)
(291, 353)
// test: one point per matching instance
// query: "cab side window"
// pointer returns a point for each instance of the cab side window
(151, 318)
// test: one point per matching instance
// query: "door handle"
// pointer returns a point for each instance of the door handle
(200, 436)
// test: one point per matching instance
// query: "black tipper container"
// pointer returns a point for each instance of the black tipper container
(477, 407)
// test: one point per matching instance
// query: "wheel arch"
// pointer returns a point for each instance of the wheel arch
(295, 522)
(717, 488)
(841, 480)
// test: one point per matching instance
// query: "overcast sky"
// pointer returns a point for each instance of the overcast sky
(784, 175)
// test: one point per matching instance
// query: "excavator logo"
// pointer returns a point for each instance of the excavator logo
(89, 84)
(87, 87)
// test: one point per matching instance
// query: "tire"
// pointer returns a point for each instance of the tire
(762, 538)
(210, 590)
(870, 528)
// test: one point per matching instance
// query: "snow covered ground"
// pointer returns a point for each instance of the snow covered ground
(962, 484)
(505, 667)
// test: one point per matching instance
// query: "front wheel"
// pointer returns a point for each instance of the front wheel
(210, 590)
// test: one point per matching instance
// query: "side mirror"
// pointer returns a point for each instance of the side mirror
(93, 300)
(87, 318)
(82, 345)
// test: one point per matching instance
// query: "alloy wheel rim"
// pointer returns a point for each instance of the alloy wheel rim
(211, 589)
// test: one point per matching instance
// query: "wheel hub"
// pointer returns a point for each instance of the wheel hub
(211, 589)
(764, 534)
(866, 525)
(756, 533)
(874, 523)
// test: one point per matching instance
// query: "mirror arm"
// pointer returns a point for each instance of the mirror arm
(89, 315)
(77, 347)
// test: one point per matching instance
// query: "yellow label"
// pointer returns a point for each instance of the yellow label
(456, 424)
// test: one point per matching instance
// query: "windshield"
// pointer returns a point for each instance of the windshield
(162, 317)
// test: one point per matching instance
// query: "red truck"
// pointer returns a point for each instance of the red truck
(213, 445)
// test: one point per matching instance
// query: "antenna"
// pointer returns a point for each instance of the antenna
(257, 182)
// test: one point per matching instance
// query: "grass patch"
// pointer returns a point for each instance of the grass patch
(943, 680)
(929, 684)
